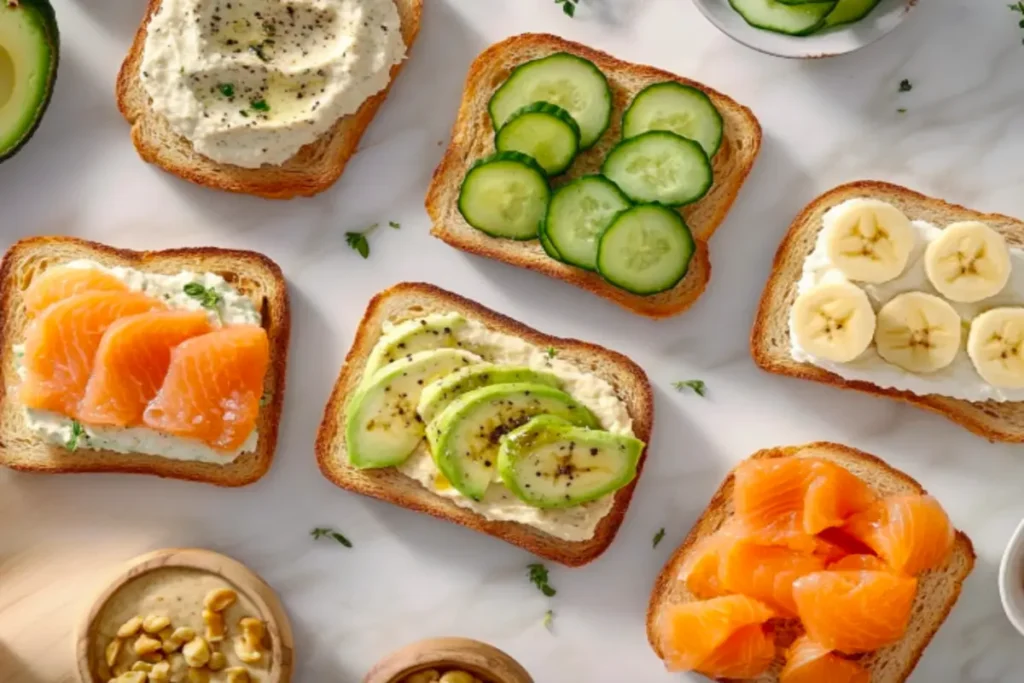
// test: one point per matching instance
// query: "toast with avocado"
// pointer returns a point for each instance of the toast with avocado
(315, 167)
(608, 175)
(447, 408)
(169, 363)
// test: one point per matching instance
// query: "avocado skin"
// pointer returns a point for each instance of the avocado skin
(48, 18)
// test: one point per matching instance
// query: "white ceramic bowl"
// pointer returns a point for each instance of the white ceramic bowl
(883, 19)
(1011, 579)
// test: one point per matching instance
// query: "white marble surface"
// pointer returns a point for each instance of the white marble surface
(408, 576)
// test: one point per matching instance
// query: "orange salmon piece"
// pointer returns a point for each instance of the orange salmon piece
(131, 362)
(61, 282)
(213, 387)
(809, 662)
(912, 533)
(833, 496)
(766, 573)
(747, 653)
(691, 632)
(859, 562)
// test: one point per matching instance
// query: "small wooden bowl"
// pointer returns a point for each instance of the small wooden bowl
(487, 663)
(243, 579)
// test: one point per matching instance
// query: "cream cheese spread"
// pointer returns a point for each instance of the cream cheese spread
(249, 82)
(957, 380)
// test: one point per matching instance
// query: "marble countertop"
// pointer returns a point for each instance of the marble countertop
(409, 576)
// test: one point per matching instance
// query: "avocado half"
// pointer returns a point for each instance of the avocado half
(29, 53)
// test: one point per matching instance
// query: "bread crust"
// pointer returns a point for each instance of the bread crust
(946, 581)
(411, 300)
(472, 139)
(313, 169)
(769, 337)
(251, 273)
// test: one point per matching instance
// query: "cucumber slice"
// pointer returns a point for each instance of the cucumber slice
(505, 195)
(849, 11)
(562, 79)
(543, 131)
(660, 167)
(577, 215)
(677, 108)
(646, 250)
(794, 20)
(545, 242)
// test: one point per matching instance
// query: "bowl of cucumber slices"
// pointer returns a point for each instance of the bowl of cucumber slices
(805, 29)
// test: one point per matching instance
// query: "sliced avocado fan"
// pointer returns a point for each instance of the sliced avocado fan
(29, 51)
(439, 394)
(432, 332)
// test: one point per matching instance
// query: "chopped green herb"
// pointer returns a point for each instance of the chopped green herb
(358, 241)
(549, 617)
(658, 536)
(696, 385)
(568, 6)
(901, 110)
(207, 297)
(77, 432)
(539, 577)
(260, 105)
(327, 532)
(395, 224)
(1018, 7)
(551, 352)
(226, 89)
(906, 85)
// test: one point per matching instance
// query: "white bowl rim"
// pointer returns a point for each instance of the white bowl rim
(1011, 579)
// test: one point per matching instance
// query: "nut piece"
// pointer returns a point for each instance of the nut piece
(214, 625)
(428, 676)
(217, 661)
(220, 599)
(197, 652)
(131, 677)
(142, 666)
(247, 654)
(237, 674)
(178, 637)
(153, 657)
(154, 623)
(457, 677)
(112, 652)
(130, 627)
(198, 676)
(179, 667)
(160, 673)
(145, 645)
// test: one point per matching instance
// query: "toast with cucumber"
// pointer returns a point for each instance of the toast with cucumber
(448, 408)
(608, 175)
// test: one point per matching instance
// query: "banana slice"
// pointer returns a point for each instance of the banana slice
(834, 321)
(869, 240)
(996, 347)
(968, 262)
(918, 332)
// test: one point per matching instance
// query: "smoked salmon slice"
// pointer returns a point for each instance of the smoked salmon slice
(131, 362)
(766, 573)
(854, 611)
(912, 533)
(62, 282)
(691, 632)
(700, 571)
(809, 662)
(61, 343)
(858, 562)
(213, 387)
(747, 653)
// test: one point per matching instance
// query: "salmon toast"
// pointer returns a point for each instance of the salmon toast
(107, 352)
(842, 611)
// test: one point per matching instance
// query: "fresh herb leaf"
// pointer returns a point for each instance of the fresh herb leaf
(539, 577)
(358, 241)
(696, 385)
(568, 7)
(549, 617)
(906, 85)
(77, 433)
(226, 89)
(207, 297)
(658, 536)
(901, 110)
(1018, 7)
(551, 352)
(260, 105)
(395, 224)
(327, 532)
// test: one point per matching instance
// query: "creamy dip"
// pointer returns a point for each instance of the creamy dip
(249, 82)
(571, 524)
(235, 308)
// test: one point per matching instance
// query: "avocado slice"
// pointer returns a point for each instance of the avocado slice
(382, 428)
(29, 53)
(549, 463)
(431, 332)
(464, 439)
(439, 394)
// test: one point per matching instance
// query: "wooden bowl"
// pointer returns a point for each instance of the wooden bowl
(240, 577)
(487, 663)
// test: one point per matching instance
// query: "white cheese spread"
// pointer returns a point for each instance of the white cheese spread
(235, 308)
(249, 82)
(957, 380)
(571, 524)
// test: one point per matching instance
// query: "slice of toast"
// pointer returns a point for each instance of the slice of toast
(769, 340)
(252, 274)
(473, 139)
(938, 589)
(312, 170)
(413, 300)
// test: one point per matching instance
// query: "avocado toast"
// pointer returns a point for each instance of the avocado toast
(439, 353)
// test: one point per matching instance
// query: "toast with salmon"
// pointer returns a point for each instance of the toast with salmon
(252, 275)
(770, 338)
(312, 170)
(414, 300)
(473, 138)
(937, 589)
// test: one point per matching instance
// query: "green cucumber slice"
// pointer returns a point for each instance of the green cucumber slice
(543, 131)
(677, 108)
(849, 11)
(793, 20)
(660, 167)
(646, 250)
(577, 215)
(562, 79)
(545, 242)
(505, 195)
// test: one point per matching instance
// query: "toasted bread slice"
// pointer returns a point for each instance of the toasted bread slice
(250, 273)
(312, 170)
(769, 340)
(473, 138)
(938, 589)
(413, 300)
